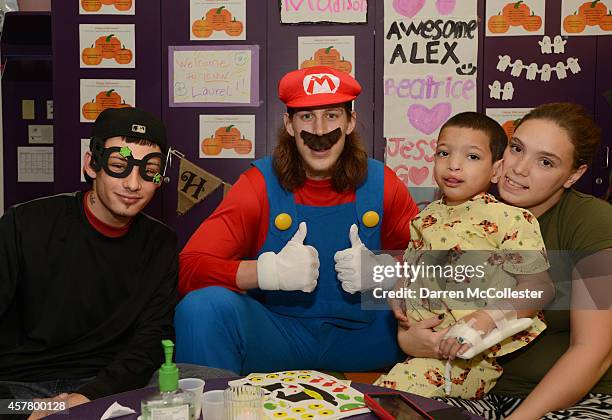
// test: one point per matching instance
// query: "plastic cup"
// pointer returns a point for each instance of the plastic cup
(195, 387)
(213, 405)
(244, 402)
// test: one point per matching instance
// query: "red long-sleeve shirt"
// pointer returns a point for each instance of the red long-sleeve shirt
(237, 229)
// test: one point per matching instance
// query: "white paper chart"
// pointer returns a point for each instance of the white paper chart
(35, 164)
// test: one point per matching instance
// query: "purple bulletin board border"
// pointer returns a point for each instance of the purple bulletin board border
(254, 74)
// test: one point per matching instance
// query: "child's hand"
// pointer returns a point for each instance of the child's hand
(450, 347)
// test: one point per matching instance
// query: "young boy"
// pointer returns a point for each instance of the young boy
(504, 248)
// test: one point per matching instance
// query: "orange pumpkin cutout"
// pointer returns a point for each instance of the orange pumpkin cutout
(202, 28)
(228, 136)
(211, 146)
(606, 22)
(91, 5)
(92, 56)
(108, 2)
(308, 63)
(532, 23)
(219, 18)
(234, 28)
(123, 56)
(516, 12)
(123, 105)
(344, 66)
(593, 11)
(123, 5)
(498, 24)
(108, 99)
(109, 45)
(574, 23)
(91, 110)
(327, 56)
(243, 146)
(509, 127)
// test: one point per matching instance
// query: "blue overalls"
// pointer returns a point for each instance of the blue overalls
(278, 330)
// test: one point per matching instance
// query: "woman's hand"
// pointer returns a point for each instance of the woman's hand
(419, 339)
(450, 347)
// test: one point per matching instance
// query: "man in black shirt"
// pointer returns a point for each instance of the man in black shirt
(87, 281)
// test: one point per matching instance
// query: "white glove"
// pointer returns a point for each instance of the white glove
(295, 267)
(355, 265)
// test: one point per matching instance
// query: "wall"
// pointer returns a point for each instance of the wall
(160, 24)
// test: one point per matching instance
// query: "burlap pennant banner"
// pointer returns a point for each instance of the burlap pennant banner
(194, 185)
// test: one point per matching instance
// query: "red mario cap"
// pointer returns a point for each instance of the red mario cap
(317, 86)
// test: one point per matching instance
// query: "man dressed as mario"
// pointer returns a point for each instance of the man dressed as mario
(294, 233)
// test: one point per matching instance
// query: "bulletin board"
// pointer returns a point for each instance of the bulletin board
(358, 47)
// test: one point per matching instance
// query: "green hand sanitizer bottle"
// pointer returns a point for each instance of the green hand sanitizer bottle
(170, 403)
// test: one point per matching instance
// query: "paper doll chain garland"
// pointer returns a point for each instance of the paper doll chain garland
(545, 71)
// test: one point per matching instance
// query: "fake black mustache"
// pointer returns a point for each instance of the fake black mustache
(323, 142)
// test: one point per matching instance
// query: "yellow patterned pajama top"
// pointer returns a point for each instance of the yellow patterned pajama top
(502, 241)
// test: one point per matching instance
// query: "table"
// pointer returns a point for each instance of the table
(96, 408)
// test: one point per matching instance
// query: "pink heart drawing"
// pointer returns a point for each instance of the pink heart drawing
(418, 175)
(429, 120)
(445, 7)
(408, 8)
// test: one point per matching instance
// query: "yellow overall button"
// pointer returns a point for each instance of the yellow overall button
(370, 218)
(283, 221)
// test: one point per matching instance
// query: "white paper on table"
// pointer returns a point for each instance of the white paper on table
(116, 410)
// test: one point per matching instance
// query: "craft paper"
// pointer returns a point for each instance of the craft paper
(35, 164)
(217, 20)
(40, 134)
(107, 46)
(333, 11)
(84, 149)
(214, 75)
(515, 18)
(415, 109)
(99, 94)
(582, 17)
(227, 136)
(508, 118)
(28, 110)
(334, 51)
(425, 40)
(98, 7)
(49, 109)
(305, 394)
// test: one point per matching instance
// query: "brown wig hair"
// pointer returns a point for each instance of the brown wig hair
(350, 169)
(480, 122)
(582, 131)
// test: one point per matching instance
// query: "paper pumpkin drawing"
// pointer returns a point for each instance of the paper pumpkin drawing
(580, 17)
(107, 46)
(330, 57)
(106, 6)
(226, 138)
(103, 100)
(217, 20)
(515, 17)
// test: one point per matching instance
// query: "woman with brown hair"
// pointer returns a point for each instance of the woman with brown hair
(565, 372)
(292, 233)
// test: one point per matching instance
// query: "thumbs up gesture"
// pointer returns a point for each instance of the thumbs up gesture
(355, 265)
(295, 267)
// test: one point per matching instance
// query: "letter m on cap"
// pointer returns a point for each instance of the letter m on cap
(321, 83)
